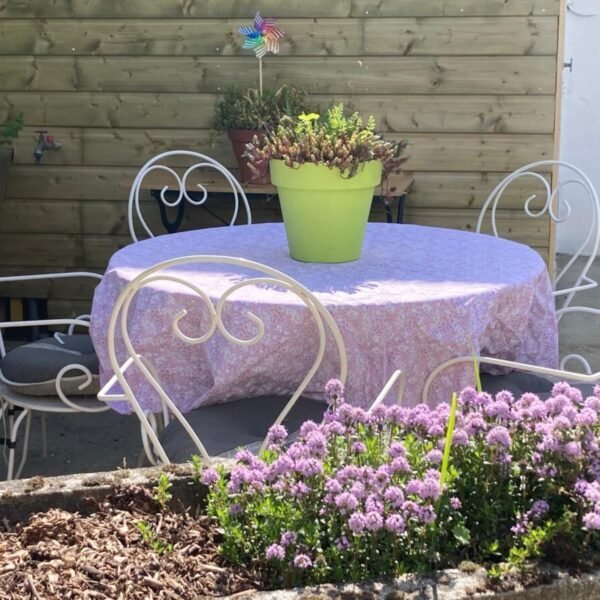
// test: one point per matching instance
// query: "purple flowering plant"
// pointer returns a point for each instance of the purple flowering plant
(361, 495)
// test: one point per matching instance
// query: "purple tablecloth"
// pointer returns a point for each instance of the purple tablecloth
(417, 296)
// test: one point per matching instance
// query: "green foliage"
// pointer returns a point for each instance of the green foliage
(153, 540)
(162, 492)
(334, 139)
(10, 130)
(247, 109)
(523, 484)
(196, 468)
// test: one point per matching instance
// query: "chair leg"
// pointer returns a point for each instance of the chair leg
(15, 424)
(44, 437)
(25, 446)
(5, 431)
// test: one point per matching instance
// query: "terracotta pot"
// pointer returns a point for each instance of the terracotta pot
(239, 138)
(6, 154)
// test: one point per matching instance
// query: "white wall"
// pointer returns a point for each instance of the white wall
(580, 119)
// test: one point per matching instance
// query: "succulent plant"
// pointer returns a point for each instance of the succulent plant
(333, 139)
(248, 109)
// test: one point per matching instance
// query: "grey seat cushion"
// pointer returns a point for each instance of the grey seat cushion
(223, 428)
(32, 368)
(519, 383)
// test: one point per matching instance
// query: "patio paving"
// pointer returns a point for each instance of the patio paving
(82, 443)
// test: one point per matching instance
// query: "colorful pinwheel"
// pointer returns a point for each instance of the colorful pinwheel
(263, 37)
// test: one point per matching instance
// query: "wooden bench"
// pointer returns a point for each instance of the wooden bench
(155, 181)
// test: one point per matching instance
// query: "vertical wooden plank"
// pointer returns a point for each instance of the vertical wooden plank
(560, 57)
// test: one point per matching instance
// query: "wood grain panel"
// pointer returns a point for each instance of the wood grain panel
(476, 36)
(468, 191)
(69, 183)
(435, 152)
(452, 8)
(46, 250)
(169, 9)
(106, 110)
(494, 152)
(39, 216)
(304, 37)
(459, 114)
(455, 191)
(382, 75)
(471, 84)
(177, 9)
(190, 37)
(511, 225)
(444, 113)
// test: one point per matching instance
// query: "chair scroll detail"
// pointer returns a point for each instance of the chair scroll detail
(558, 213)
(262, 275)
(182, 187)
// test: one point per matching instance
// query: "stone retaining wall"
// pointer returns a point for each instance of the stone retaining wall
(19, 499)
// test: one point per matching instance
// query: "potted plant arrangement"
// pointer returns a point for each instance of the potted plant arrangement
(246, 113)
(8, 132)
(326, 168)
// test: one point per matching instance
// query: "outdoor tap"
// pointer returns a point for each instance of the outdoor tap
(44, 142)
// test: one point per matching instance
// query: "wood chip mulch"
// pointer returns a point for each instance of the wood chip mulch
(61, 555)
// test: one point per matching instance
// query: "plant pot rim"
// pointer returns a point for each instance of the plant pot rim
(311, 176)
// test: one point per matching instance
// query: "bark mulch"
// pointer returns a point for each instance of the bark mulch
(62, 555)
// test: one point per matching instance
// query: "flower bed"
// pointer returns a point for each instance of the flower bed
(361, 497)
(397, 490)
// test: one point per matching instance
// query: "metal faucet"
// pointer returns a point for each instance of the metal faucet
(44, 142)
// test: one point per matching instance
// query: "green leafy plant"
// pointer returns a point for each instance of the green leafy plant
(151, 537)
(333, 139)
(162, 492)
(368, 494)
(10, 130)
(249, 109)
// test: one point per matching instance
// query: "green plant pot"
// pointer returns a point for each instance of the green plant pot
(325, 214)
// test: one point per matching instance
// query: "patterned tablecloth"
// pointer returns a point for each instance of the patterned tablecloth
(416, 297)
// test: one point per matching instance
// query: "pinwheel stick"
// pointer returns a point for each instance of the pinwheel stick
(260, 76)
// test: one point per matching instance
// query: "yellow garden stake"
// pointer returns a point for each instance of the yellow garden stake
(449, 434)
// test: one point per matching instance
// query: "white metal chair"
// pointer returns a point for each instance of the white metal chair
(222, 428)
(40, 376)
(557, 212)
(180, 186)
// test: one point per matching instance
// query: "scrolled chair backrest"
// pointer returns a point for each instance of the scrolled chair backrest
(558, 212)
(68, 380)
(181, 186)
(265, 275)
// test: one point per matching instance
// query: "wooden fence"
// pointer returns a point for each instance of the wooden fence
(471, 84)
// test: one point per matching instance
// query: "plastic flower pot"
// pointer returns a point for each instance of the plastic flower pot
(325, 213)
(239, 138)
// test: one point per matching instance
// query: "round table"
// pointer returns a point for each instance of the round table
(417, 297)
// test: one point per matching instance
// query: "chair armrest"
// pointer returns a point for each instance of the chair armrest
(42, 322)
(560, 374)
(16, 278)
